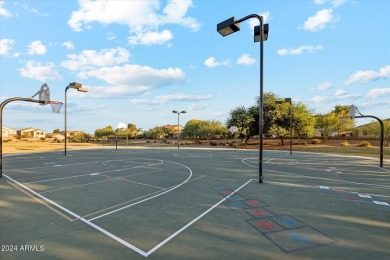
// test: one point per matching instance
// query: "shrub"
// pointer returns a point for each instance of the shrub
(345, 143)
(148, 142)
(230, 144)
(364, 144)
(316, 141)
(213, 144)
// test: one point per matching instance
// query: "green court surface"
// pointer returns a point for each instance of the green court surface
(193, 204)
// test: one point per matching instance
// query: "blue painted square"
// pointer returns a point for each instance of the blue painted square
(236, 205)
(288, 222)
(236, 197)
(219, 187)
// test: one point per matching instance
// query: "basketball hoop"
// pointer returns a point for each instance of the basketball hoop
(56, 106)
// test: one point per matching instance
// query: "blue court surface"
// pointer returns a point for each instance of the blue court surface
(193, 204)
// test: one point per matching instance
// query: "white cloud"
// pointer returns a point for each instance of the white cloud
(322, 99)
(254, 22)
(91, 59)
(4, 12)
(319, 21)
(211, 62)
(378, 92)
(299, 50)
(143, 18)
(338, 95)
(368, 75)
(335, 3)
(150, 38)
(245, 60)
(68, 45)
(164, 99)
(324, 86)
(196, 107)
(131, 79)
(6, 46)
(340, 92)
(41, 72)
(36, 48)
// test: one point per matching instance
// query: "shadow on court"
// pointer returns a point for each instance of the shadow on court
(193, 204)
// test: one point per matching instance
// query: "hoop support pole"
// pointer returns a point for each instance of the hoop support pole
(2, 105)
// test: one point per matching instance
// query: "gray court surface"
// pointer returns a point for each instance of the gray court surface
(193, 204)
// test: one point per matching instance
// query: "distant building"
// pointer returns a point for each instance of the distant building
(8, 132)
(172, 130)
(31, 133)
(70, 133)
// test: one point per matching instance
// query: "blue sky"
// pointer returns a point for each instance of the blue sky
(143, 59)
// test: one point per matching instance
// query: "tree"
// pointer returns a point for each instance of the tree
(374, 129)
(242, 118)
(211, 128)
(104, 132)
(327, 124)
(276, 118)
(81, 137)
(56, 131)
(191, 129)
(155, 133)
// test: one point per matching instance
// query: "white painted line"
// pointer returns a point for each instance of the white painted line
(269, 160)
(381, 203)
(318, 178)
(364, 196)
(96, 173)
(157, 195)
(128, 245)
(324, 187)
(193, 221)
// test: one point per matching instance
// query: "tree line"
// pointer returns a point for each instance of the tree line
(276, 122)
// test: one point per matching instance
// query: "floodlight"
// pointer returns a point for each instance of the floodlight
(82, 89)
(257, 32)
(228, 26)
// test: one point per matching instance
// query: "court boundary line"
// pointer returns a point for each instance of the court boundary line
(311, 177)
(157, 195)
(120, 240)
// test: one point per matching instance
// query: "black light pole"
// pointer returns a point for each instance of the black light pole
(232, 25)
(78, 87)
(178, 125)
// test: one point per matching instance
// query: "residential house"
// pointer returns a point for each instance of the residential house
(70, 133)
(8, 132)
(31, 133)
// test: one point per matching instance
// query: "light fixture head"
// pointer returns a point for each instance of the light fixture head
(257, 32)
(174, 111)
(228, 26)
(183, 112)
(75, 85)
(82, 89)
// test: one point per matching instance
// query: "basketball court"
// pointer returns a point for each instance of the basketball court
(193, 204)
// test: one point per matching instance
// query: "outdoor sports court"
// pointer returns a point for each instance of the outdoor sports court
(193, 204)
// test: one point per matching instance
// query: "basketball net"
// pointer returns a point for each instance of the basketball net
(56, 106)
